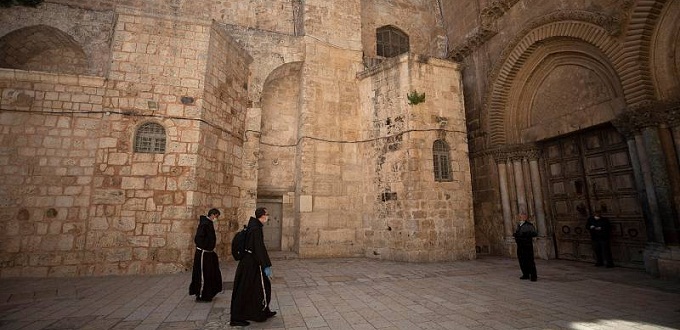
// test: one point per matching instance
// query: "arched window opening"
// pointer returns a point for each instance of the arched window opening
(442, 167)
(391, 41)
(150, 138)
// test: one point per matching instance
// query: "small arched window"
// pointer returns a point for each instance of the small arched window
(150, 138)
(391, 41)
(442, 167)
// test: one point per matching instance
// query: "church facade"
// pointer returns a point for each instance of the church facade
(406, 130)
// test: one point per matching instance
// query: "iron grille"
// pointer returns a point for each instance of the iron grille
(150, 138)
(442, 168)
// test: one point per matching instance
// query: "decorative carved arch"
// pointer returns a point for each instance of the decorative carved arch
(520, 51)
(633, 64)
(665, 53)
(537, 111)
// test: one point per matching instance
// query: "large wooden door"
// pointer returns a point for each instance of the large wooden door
(272, 229)
(591, 171)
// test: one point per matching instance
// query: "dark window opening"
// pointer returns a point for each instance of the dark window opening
(391, 41)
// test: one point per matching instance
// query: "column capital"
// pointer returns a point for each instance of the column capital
(647, 114)
(517, 151)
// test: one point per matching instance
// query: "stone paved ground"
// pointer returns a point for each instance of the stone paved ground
(361, 294)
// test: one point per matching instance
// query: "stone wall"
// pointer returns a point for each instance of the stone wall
(50, 135)
(409, 215)
(224, 104)
(327, 184)
(257, 99)
(270, 15)
(82, 35)
(81, 201)
(420, 19)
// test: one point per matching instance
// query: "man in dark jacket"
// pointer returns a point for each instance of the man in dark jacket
(252, 288)
(524, 235)
(206, 278)
(600, 233)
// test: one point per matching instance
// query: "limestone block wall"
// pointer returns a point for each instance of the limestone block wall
(420, 19)
(279, 132)
(220, 150)
(270, 15)
(49, 134)
(79, 200)
(77, 30)
(328, 176)
(156, 63)
(410, 216)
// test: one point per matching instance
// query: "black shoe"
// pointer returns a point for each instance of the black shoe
(202, 300)
(598, 265)
(534, 279)
(610, 266)
(524, 277)
(235, 323)
(270, 314)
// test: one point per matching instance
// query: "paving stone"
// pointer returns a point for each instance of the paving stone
(418, 296)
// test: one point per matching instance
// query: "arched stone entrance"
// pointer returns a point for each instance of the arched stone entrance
(589, 171)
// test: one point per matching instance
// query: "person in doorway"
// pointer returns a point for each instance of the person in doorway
(206, 278)
(251, 295)
(600, 234)
(524, 235)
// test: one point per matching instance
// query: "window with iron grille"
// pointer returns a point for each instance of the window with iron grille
(442, 167)
(150, 138)
(391, 41)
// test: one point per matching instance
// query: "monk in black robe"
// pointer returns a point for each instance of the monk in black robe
(206, 277)
(252, 288)
(524, 235)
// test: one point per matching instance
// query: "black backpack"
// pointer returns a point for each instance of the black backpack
(238, 244)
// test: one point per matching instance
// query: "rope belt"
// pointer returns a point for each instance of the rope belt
(264, 292)
(204, 250)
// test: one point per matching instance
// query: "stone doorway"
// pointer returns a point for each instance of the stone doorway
(587, 171)
(272, 229)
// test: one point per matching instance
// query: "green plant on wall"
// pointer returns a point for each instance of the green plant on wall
(27, 3)
(414, 97)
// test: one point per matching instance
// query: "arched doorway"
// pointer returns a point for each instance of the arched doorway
(587, 171)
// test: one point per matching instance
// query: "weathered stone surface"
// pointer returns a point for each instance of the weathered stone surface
(288, 104)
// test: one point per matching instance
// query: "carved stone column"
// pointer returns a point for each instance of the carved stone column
(658, 162)
(643, 177)
(519, 184)
(521, 190)
(501, 162)
(662, 184)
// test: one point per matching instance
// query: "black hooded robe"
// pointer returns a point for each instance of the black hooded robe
(252, 289)
(206, 277)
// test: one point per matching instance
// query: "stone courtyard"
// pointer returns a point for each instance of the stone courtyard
(359, 293)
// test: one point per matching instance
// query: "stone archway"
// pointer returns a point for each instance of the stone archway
(559, 78)
(42, 48)
(665, 54)
(517, 57)
(563, 80)
(276, 177)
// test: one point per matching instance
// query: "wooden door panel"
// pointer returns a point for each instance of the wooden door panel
(272, 229)
(587, 172)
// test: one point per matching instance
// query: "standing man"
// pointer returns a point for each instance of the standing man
(600, 233)
(252, 288)
(206, 278)
(524, 235)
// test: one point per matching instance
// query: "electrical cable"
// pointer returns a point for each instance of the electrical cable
(297, 143)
